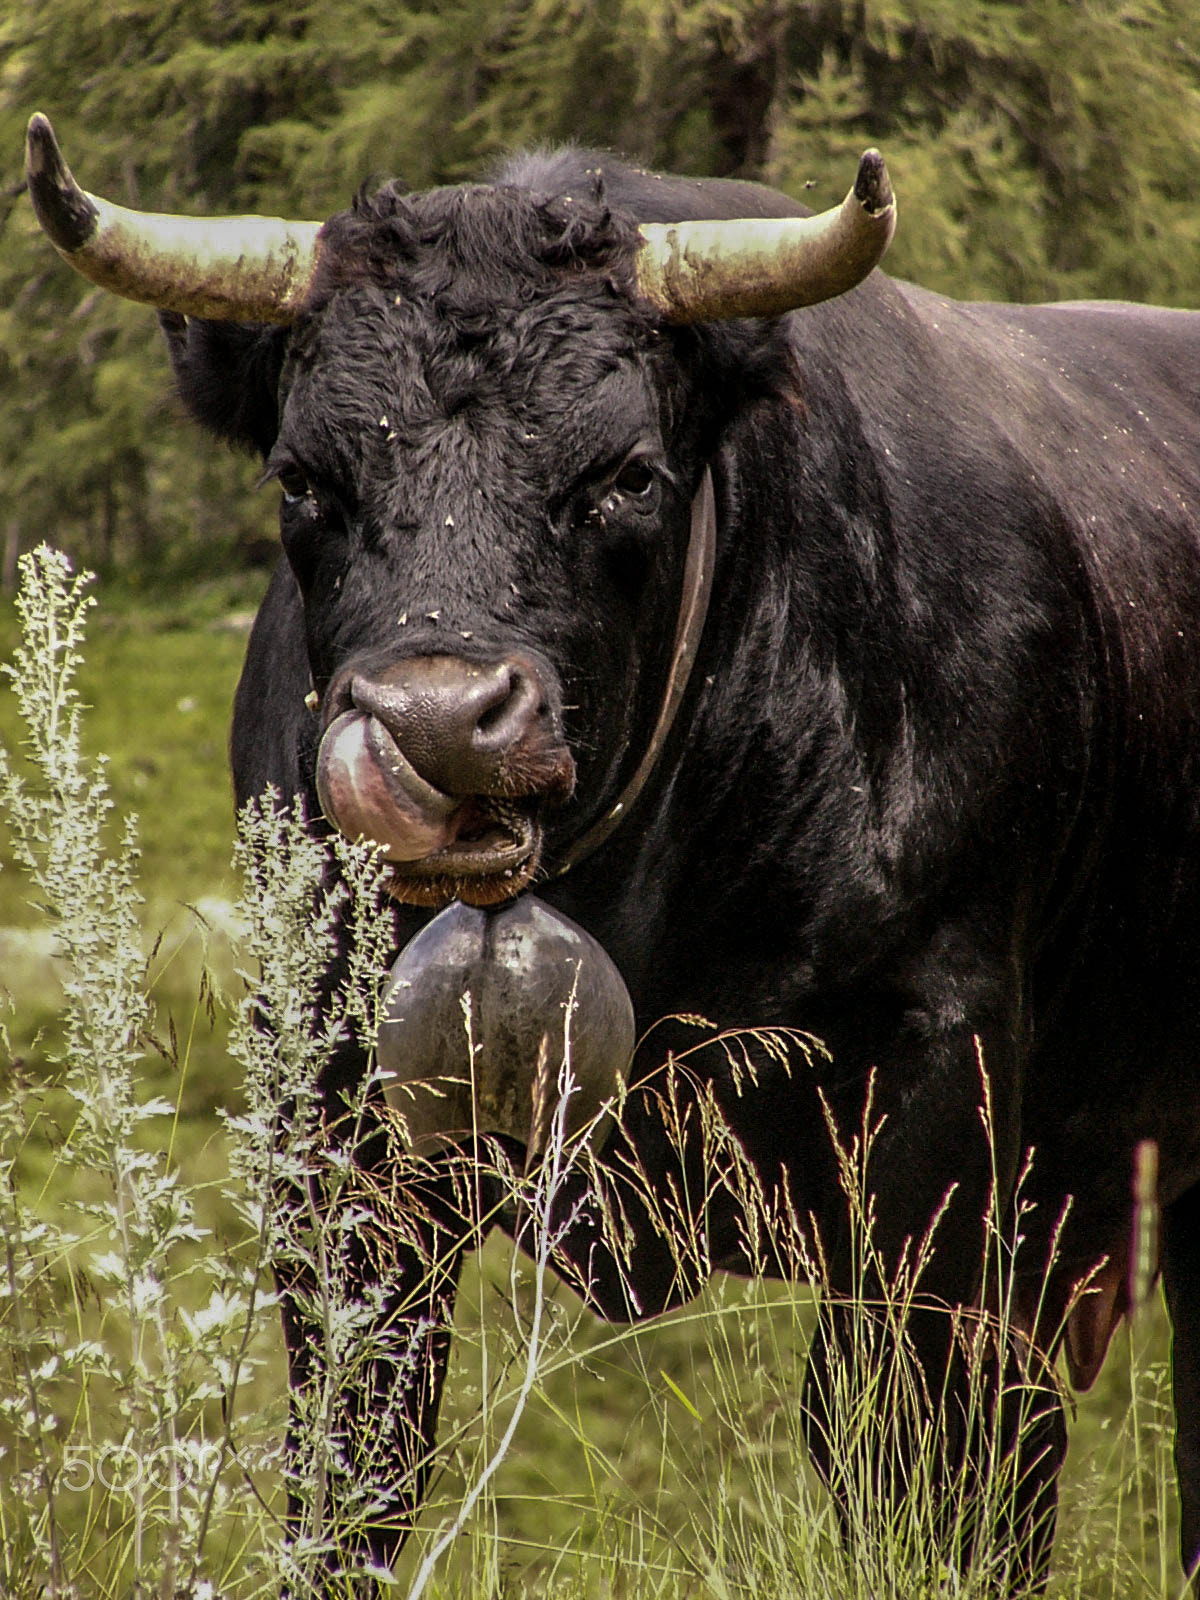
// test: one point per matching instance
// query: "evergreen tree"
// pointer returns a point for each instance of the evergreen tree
(1039, 148)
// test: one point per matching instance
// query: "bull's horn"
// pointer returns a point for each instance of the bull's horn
(764, 266)
(248, 269)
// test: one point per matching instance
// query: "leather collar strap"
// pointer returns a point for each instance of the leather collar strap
(693, 609)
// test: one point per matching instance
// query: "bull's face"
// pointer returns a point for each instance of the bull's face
(486, 524)
(487, 435)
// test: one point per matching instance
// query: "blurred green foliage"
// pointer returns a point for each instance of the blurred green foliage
(1040, 148)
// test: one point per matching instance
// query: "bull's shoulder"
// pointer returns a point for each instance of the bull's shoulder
(1093, 334)
(1073, 390)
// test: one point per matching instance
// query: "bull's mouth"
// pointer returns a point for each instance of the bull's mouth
(493, 856)
(481, 849)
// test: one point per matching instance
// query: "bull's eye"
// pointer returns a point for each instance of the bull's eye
(294, 484)
(634, 487)
(635, 479)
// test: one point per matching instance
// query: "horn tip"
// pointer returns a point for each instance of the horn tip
(42, 155)
(872, 186)
(63, 209)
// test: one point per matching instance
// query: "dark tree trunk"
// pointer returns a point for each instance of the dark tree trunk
(742, 80)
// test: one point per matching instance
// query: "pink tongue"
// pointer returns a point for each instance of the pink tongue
(365, 800)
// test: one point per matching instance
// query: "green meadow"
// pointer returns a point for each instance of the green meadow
(659, 1461)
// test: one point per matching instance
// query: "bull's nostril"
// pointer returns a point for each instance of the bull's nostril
(513, 709)
(491, 719)
(458, 723)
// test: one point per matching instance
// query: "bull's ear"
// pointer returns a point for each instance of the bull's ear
(228, 376)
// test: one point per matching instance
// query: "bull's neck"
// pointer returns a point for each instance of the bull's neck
(693, 612)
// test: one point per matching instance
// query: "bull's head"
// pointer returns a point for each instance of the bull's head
(488, 445)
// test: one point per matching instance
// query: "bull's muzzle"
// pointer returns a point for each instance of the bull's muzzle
(445, 764)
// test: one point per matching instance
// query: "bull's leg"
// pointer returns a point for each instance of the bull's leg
(1181, 1281)
(930, 1154)
(1030, 1426)
(377, 1397)
(1018, 1441)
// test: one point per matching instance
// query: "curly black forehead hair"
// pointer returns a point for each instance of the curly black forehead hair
(460, 265)
(492, 245)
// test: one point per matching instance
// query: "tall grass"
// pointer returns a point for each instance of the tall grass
(142, 1412)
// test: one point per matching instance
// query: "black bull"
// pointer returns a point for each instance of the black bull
(932, 791)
